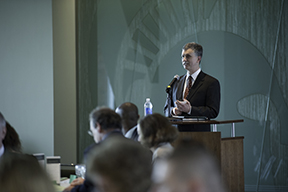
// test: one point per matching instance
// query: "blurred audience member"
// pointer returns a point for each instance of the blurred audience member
(120, 165)
(2, 134)
(129, 115)
(104, 123)
(12, 141)
(156, 132)
(23, 173)
(190, 168)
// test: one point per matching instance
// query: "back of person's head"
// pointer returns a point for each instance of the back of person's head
(23, 173)
(2, 121)
(198, 49)
(155, 129)
(2, 129)
(191, 167)
(129, 114)
(106, 117)
(120, 165)
(12, 141)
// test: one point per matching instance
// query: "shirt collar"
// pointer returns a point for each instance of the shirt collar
(117, 131)
(130, 132)
(194, 75)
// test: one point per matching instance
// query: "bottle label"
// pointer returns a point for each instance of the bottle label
(148, 111)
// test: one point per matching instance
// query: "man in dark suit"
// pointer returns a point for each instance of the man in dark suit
(2, 133)
(195, 93)
(104, 124)
(129, 115)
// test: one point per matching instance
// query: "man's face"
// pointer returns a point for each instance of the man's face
(95, 132)
(190, 60)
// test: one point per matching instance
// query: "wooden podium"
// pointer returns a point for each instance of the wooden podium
(229, 151)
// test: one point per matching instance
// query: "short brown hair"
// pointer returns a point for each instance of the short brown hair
(106, 117)
(197, 48)
(157, 129)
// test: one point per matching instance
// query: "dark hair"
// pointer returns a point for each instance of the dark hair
(2, 121)
(125, 163)
(129, 114)
(129, 111)
(198, 49)
(12, 141)
(156, 129)
(106, 117)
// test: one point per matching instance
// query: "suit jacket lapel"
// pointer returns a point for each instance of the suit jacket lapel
(197, 84)
(179, 93)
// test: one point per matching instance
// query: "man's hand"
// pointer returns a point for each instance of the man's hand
(78, 181)
(75, 182)
(183, 106)
(176, 111)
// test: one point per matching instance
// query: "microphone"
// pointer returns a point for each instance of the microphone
(176, 78)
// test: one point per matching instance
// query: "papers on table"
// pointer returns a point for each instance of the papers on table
(188, 118)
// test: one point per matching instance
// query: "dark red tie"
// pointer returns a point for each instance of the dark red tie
(188, 86)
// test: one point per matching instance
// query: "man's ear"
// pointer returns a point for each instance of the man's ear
(99, 128)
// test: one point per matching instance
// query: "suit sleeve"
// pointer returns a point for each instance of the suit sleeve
(167, 112)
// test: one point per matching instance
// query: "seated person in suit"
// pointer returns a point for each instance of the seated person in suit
(23, 173)
(129, 115)
(104, 123)
(156, 133)
(195, 93)
(120, 165)
(190, 167)
(2, 134)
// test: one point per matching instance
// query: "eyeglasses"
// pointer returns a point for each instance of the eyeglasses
(90, 133)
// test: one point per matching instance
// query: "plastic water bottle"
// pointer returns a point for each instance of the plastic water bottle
(148, 107)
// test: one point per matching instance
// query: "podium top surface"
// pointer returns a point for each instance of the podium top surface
(193, 121)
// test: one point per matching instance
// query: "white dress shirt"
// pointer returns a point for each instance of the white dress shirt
(130, 132)
(194, 76)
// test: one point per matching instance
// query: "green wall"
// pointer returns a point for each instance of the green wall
(38, 74)
(129, 50)
(26, 72)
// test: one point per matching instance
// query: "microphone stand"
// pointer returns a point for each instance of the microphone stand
(169, 97)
